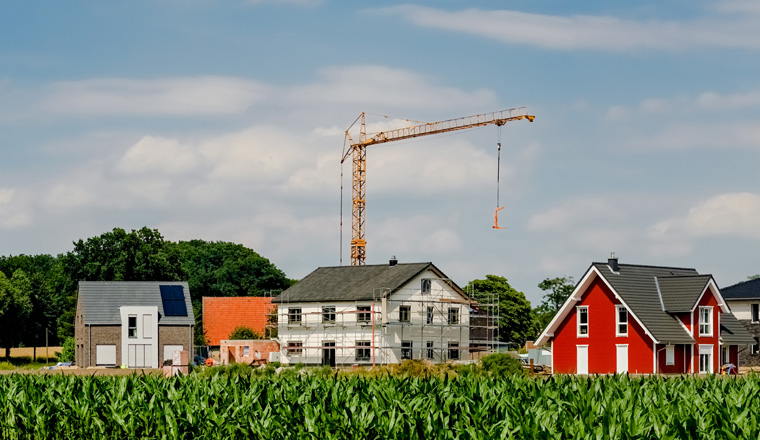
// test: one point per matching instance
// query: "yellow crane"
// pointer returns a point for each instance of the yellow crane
(358, 150)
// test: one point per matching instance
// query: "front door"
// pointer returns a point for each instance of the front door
(622, 358)
(705, 359)
(328, 354)
(582, 359)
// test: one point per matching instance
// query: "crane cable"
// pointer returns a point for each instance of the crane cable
(498, 178)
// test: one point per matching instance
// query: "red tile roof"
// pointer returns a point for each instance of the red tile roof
(222, 314)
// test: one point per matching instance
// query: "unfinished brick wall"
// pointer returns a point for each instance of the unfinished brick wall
(174, 335)
(101, 335)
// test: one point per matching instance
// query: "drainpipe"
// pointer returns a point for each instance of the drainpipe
(89, 345)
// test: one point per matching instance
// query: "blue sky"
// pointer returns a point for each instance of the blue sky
(224, 120)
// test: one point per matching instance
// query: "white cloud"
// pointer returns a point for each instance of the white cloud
(184, 96)
(576, 212)
(716, 101)
(729, 214)
(158, 155)
(618, 113)
(573, 32)
(13, 213)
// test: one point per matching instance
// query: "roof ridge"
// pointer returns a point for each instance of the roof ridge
(743, 282)
(649, 266)
(375, 265)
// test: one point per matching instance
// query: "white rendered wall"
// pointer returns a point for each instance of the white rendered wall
(147, 335)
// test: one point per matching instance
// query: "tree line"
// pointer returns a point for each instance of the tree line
(38, 293)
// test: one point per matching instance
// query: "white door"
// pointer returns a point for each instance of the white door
(582, 362)
(622, 358)
(705, 359)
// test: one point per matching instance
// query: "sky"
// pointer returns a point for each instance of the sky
(225, 120)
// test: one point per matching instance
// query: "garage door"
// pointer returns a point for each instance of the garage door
(170, 349)
(105, 355)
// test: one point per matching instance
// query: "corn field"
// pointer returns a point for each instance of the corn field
(340, 407)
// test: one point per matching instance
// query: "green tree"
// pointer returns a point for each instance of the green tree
(15, 308)
(557, 291)
(243, 332)
(753, 277)
(516, 322)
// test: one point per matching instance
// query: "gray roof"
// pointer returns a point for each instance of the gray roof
(636, 286)
(732, 331)
(100, 300)
(681, 293)
(355, 283)
(745, 290)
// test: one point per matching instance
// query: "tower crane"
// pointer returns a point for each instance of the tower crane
(358, 150)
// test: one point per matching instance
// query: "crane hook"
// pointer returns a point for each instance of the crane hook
(496, 218)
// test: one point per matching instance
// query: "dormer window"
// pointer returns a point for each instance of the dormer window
(705, 321)
(582, 317)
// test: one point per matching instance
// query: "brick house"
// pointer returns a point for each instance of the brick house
(643, 319)
(744, 300)
(138, 324)
(222, 314)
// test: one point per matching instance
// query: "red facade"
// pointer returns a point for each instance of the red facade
(601, 340)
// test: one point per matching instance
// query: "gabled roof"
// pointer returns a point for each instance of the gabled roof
(356, 283)
(222, 314)
(745, 290)
(681, 293)
(100, 300)
(652, 295)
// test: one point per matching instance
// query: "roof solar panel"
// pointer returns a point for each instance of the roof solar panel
(173, 299)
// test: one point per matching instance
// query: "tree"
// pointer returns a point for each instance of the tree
(15, 308)
(753, 277)
(243, 332)
(558, 290)
(516, 322)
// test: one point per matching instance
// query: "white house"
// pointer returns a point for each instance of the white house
(372, 315)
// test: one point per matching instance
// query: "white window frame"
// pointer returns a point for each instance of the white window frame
(363, 351)
(328, 315)
(754, 313)
(579, 325)
(295, 315)
(618, 309)
(670, 355)
(706, 328)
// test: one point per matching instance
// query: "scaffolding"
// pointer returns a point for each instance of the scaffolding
(430, 323)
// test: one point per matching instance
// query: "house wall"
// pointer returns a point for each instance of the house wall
(102, 335)
(234, 351)
(742, 311)
(601, 340)
(708, 299)
(681, 359)
(389, 332)
(174, 335)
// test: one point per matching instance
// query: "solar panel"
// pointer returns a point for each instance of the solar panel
(173, 299)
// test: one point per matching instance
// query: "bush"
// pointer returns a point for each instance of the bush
(501, 364)
(68, 351)
(243, 332)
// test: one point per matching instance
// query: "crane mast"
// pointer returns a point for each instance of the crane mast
(358, 150)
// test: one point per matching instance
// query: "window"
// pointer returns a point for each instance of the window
(132, 327)
(406, 349)
(364, 314)
(705, 321)
(755, 313)
(294, 315)
(670, 355)
(246, 350)
(453, 315)
(755, 348)
(621, 319)
(429, 317)
(582, 321)
(430, 350)
(426, 284)
(147, 326)
(724, 355)
(454, 350)
(295, 348)
(328, 315)
(363, 351)
(403, 313)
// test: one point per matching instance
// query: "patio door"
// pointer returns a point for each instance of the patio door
(622, 358)
(328, 354)
(582, 359)
(705, 359)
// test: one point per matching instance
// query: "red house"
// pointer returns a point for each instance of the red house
(222, 314)
(644, 319)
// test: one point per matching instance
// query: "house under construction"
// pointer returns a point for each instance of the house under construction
(381, 314)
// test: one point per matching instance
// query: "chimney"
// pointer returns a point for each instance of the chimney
(612, 262)
(393, 261)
